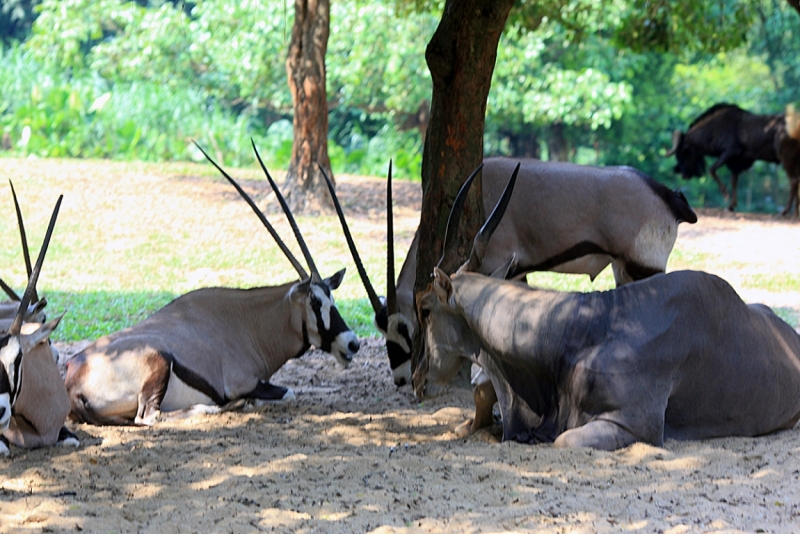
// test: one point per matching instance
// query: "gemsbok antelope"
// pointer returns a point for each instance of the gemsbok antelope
(33, 400)
(676, 355)
(211, 346)
(565, 218)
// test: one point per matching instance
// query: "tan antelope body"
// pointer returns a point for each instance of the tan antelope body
(210, 346)
(677, 355)
(565, 218)
(33, 400)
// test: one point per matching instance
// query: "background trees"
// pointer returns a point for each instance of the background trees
(139, 80)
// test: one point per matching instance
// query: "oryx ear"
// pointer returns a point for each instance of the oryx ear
(335, 281)
(29, 339)
(37, 308)
(442, 285)
(300, 290)
(506, 269)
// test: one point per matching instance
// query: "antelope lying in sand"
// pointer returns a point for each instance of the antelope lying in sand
(565, 218)
(210, 346)
(33, 399)
(677, 355)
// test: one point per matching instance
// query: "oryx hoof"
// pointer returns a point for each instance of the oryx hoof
(464, 429)
(67, 438)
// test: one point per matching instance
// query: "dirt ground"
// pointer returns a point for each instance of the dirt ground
(355, 454)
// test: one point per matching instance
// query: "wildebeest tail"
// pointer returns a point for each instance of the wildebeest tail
(680, 207)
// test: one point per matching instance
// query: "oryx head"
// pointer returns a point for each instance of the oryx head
(447, 337)
(396, 329)
(16, 343)
(323, 326)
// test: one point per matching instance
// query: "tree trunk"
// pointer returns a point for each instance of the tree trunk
(557, 144)
(461, 57)
(305, 186)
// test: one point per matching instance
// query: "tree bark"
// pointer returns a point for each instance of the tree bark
(305, 186)
(461, 57)
(557, 144)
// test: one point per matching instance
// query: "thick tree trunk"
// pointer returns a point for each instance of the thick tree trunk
(461, 57)
(305, 186)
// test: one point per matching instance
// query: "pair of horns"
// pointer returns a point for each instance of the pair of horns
(481, 240)
(315, 277)
(25, 253)
(30, 290)
(391, 289)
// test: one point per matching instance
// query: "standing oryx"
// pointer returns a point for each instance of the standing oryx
(33, 399)
(210, 346)
(565, 218)
(677, 355)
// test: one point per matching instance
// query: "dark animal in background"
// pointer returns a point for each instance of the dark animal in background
(737, 138)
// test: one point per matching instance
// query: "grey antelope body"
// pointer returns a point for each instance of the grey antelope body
(564, 218)
(209, 347)
(33, 400)
(677, 355)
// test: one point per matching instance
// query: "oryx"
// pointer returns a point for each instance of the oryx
(677, 355)
(33, 399)
(566, 218)
(210, 346)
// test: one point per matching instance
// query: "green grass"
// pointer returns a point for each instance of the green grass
(775, 282)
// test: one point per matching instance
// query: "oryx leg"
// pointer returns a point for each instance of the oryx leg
(153, 389)
(265, 392)
(484, 395)
(65, 437)
(4, 450)
(598, 434)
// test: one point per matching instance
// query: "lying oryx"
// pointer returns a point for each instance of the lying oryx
(565, 218)
(33, 399)
(677, 355)
(210, 346)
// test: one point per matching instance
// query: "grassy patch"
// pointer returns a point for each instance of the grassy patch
(775, 282)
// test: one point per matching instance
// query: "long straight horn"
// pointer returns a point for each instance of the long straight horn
(300, 241)
(391, 286)
(373, 297)
(455, 216)
(9, 291)
(23, 237)
(481, 240)
(296, 264)
(16, 325)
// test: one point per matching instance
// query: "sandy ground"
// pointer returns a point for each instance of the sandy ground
(355, 454)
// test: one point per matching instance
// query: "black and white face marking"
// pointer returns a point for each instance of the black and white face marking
(398, 332)
(326, 328)
(10, 377)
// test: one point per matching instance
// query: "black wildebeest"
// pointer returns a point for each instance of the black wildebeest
(737, 138)
(676, 355)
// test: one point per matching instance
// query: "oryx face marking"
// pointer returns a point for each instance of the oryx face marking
(10, 377)
(326, 328)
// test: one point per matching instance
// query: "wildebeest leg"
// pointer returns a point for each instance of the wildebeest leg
(484, 395)
(794, 203)
(153, 390)
(734, 197)
(713, 171)
(598, 434)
